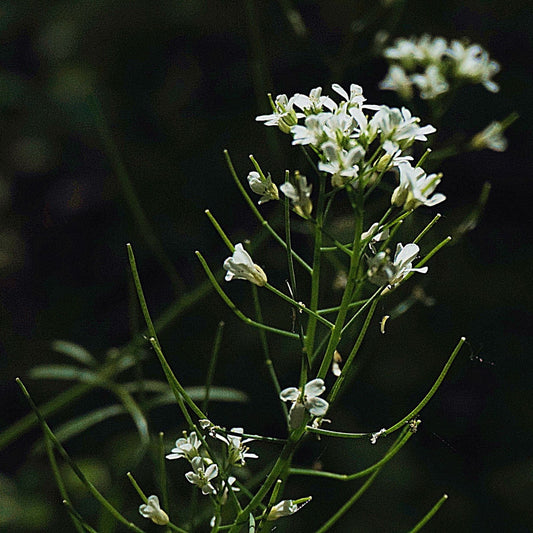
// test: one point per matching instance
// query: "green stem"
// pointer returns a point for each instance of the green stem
(340, 380)
(315, 278)
(77, 518)
(348, 292)
(258, 215)
(266, 352)
(235, 309)
(283, 460)
(429, 516)
(62, 400)
(428, 227)
(345, 508)
(176, 387)
(220, 231)
(393, 450)
(335, 309)
(293, 288)
(212, 364)
(431, 392)
(339, 434)
(59, 481)
(299, 306)
(81, 476)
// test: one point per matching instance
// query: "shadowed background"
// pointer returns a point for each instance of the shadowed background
(165, 87)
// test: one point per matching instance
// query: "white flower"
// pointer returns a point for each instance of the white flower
(237, 451)
(341, 163)
(383, 271)
(202, 476)
(416, 187)
(355, 98)
(375, 233)
(226, 487)
(286, 508)
(431, 84)
(308, 400)
(241, 266)
(400, 126)
(263, 186)
(406, 51)
(186, 447)
(403, 262)
(392, 157)
(313, 131)
(283, 116)
(432, 49)
(338, 127)
(314, 102)
(299, 194)
(491, 137)
(473, 64)
(153, 511)
(397, 80)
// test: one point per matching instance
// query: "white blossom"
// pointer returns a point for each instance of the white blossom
(375, 234)
(491, 137)
(400, 126)
(299, 194)
(241, 266)
(392, 157)
(284, 116)
(237, 449)
(153, 511)
(473, 63)
(383, 271)
(263, 186)
(406, 51)
(340, 163)
(315, 102)
(431, 84)
(186, 447)
(313, 130)
(432, 49)
(306, 400)
(416, 187)
(398, 80)
(355, 98)
(202, 476)
(287, 508)
(226, 487)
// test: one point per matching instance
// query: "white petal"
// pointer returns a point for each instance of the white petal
(405, 254)
(314, 388)
(241, 256)
(290, 394)
(317, 406)
(211, 471)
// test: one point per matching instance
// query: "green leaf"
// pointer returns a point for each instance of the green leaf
(74, 351)
(63, 372)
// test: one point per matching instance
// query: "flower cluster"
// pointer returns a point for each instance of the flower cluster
(432, 65)
(204, 470)
(352, 146)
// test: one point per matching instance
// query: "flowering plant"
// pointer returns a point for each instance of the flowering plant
(369, 160)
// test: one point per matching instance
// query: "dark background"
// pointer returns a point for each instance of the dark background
(178, 82)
